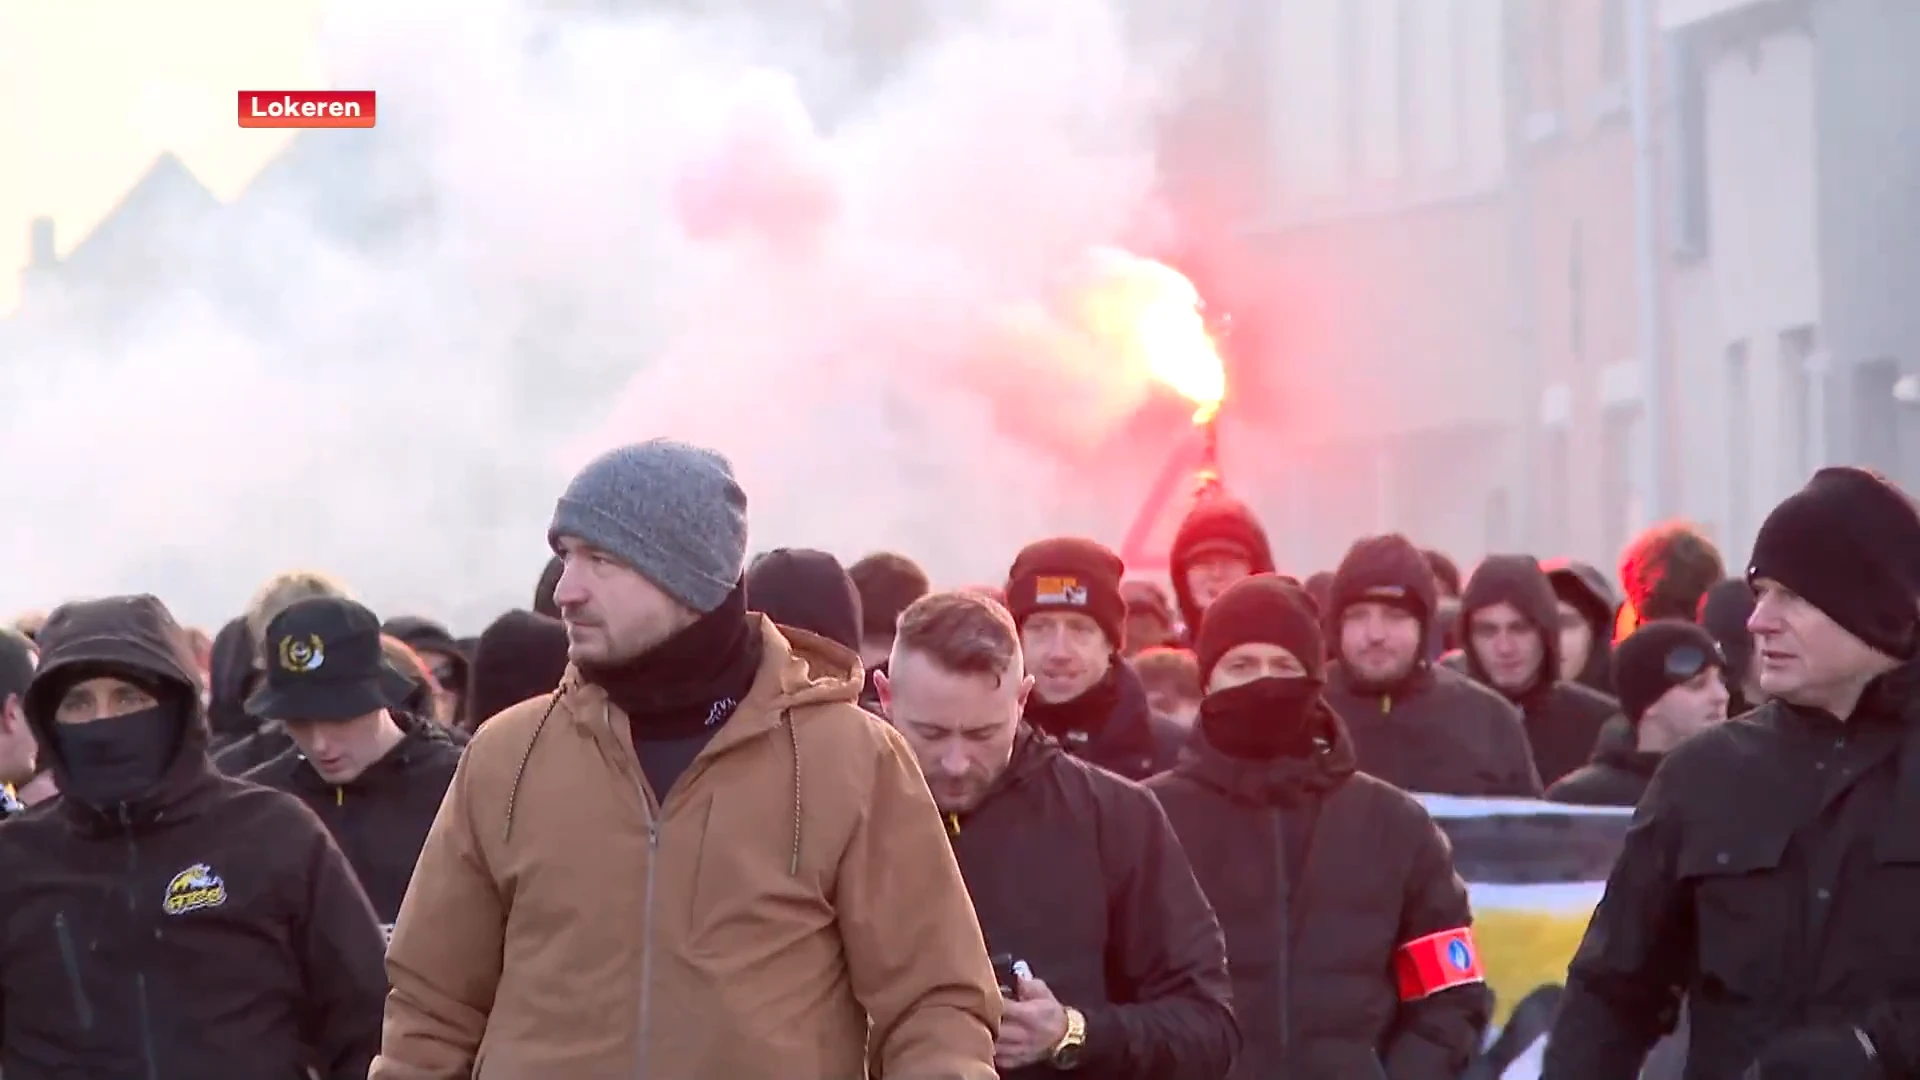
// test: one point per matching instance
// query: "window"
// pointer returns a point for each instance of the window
(1622, 455)
(1376, 29)
(1613, 40)
(1794, 398)
(1576, 294)
(1687, 134)
(1431, 33)
(1876, 415)
(1556, 474)
(1739, 441)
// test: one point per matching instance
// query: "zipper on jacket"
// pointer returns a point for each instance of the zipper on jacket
(134, 893)
(70, 959)
(646, 946)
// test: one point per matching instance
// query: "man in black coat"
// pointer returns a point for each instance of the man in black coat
(1065, 597)
(1772, 871)
(1348, 933)
(374, 774)
(1672, 683)
(1074, 872)
(159, 919)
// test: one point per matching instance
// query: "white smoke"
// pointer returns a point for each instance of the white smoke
(722, 228)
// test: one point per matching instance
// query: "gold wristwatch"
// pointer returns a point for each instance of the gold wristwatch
(1066, 1052)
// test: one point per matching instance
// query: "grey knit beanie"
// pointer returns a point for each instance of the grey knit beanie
(671, 511)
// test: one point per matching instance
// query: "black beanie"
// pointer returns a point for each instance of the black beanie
(1387, 570)
(1849, 543)
(1657, 657)
(1266, 608)
(1724, 612)
(807, 590)
(522, 655)
(1070, 574)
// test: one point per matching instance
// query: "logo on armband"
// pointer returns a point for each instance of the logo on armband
(1425, 966)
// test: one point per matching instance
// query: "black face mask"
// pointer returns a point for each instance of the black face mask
(1264, 719)
(120, 758)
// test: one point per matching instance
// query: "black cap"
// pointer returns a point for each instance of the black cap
(1657, 657)
(1070, 574)
(324, 662)
(1269, 608)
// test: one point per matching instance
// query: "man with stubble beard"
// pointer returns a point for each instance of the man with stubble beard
(1065, 596)
(1414, 724)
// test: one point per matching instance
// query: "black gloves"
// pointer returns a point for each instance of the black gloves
(1835, 1053)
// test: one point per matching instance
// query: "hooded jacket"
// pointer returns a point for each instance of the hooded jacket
(1312, 934)
(231, 675)
(790, 902)
(520, 655)
(1563, 719)
(1583, 586)
(208, 928)
(1215, 518)
(809, 590)
(1434, 732)
(1077, 872)
(381, 817)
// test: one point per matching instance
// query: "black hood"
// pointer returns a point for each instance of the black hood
(522, 655)
(132, 635)
(1724, 612)
(808, 590)
(1215, 518)
(232, 669)
(1388, 569)
(1519, 581)
(1585, 587)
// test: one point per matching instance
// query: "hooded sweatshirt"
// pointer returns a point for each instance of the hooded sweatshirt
(203, 927)
(790, 907)
(379, 818)
(1434, 731)
(1586, 588)
(1563, 719)
(231, 676)
(1215, 519)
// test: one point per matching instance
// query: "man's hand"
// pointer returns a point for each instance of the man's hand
(1031, 1025)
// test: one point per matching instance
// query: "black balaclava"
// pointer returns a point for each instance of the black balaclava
(120, 759)
(691, 682)
(1268, 717)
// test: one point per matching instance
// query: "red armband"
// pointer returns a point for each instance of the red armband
(1425, 966)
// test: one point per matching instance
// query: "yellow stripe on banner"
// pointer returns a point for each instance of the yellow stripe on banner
(1522, 950)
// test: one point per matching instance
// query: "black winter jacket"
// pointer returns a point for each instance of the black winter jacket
(1312, 953)
(380, 818)
(1770, 878)
(210, 929)
(1112, 726)
(1077, 872)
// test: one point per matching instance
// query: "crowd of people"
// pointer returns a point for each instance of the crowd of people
(695, 814)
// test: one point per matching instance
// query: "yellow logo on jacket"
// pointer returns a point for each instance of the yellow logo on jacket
(195, 888)
(302, 656)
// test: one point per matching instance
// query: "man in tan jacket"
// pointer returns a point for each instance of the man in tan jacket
(697, 858)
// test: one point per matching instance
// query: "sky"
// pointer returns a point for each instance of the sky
(92, 90)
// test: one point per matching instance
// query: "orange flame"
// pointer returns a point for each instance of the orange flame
(1152, 314)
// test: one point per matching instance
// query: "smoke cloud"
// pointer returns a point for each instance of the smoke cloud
(841, 268)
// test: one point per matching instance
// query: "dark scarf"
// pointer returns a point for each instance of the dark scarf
(1084, 715)
(691, 682)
